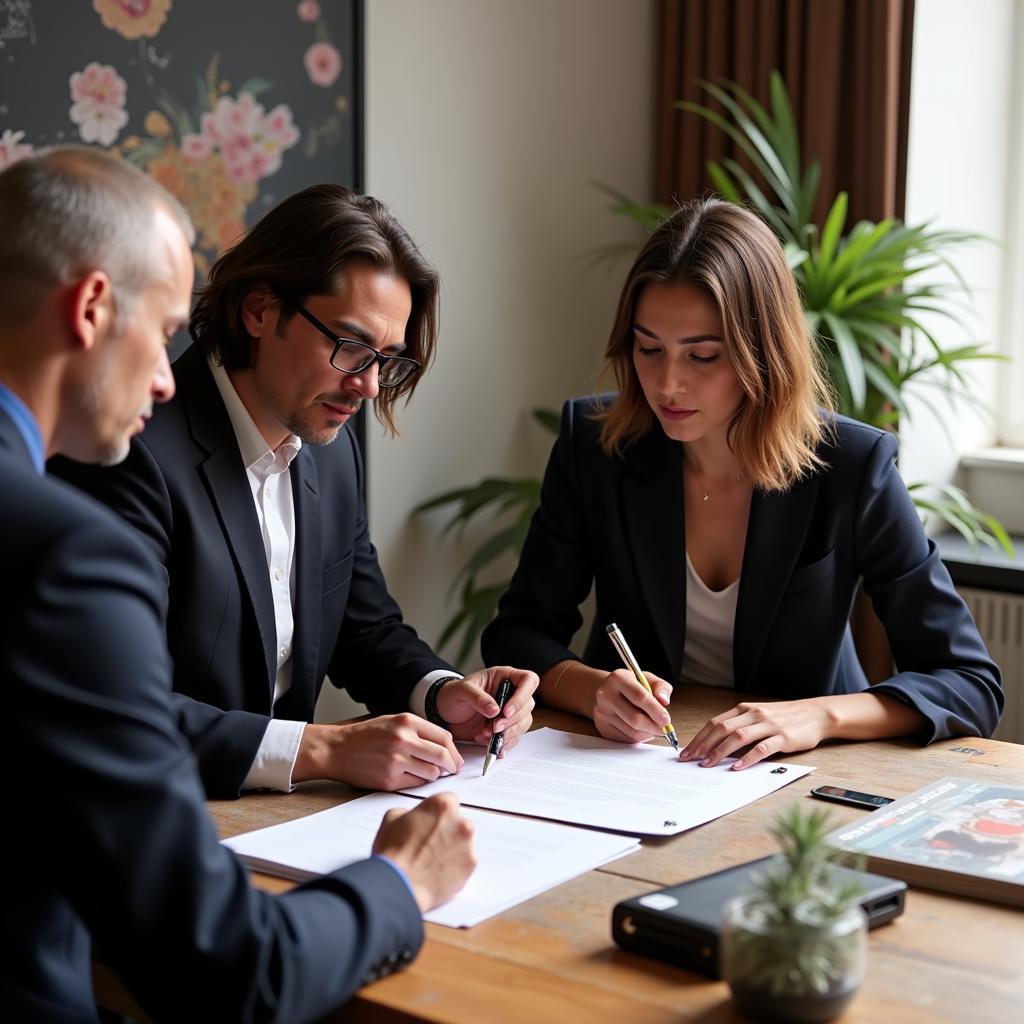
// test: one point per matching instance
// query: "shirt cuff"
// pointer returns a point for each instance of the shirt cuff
(275, 760)
(398, 871)
(418, 697)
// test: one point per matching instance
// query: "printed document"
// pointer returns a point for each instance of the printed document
(517, 858)
(639, 788)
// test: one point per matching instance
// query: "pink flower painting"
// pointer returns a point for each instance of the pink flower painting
(308, 10)
(12, 149)
(323, 63)
(250, 142)
(98, 94)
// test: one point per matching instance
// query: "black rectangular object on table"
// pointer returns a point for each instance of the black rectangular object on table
(680, 923)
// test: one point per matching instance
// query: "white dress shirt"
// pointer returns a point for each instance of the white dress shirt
(271, 484)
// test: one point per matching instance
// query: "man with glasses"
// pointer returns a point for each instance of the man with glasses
(260, 522)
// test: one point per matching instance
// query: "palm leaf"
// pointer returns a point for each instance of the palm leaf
(548, 419)
(850, 357)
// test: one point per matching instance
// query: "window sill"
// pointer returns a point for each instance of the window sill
(994, 480)
(982, 567)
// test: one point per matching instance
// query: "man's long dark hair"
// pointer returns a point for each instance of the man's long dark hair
(301, 248)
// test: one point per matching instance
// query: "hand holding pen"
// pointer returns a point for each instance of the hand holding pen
(470, 708)
(623, 711)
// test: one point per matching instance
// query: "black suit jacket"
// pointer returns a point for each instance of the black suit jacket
(617, 523)
(108, 836)
(184, 488)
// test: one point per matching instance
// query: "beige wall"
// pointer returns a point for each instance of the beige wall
(485, 121)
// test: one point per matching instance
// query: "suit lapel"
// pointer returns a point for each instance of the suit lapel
(775, 536)
(308, 555)
(652, 500)
(224, 475)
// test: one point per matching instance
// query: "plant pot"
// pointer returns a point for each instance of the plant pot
(804, 969)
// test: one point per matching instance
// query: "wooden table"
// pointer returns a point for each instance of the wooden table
(552, 958)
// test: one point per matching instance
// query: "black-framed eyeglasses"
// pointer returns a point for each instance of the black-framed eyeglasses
(352, 356)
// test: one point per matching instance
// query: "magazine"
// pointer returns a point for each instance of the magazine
(956, 835)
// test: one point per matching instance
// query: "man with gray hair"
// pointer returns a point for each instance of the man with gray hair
(114, 846)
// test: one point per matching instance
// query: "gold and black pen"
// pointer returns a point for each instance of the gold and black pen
(616, 637)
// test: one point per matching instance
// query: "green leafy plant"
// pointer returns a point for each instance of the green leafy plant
(511, 502)
(790, 947)
(865, 292)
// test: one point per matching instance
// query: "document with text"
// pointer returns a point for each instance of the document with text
(517, 858)
(639, 788)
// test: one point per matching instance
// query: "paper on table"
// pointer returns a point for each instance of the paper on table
(643, 789)
(516, 858)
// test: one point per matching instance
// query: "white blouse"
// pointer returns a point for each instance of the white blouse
(710, 622)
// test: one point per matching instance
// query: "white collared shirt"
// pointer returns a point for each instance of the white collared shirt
(270, 481)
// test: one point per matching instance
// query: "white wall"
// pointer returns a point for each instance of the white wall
(485, 121)
(958, 176)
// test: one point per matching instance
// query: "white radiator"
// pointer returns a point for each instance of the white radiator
(1000, 619)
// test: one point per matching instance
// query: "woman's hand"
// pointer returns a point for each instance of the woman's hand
(790, 725)
(764, 728)
(626, 712)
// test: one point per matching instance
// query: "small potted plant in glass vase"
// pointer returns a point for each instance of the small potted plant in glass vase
(794, 946)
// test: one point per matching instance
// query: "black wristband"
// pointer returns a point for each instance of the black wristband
(430, 712)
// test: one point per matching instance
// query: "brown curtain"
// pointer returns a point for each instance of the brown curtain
(846, 64)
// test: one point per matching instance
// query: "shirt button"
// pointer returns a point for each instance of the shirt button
(283, 652)
(278, 574)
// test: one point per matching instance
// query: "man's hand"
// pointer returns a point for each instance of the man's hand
(391, 752)
(626, 712)
(468, 705)
(433, 845)
(766, 729)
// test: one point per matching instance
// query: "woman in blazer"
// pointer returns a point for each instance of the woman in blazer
(725, 518)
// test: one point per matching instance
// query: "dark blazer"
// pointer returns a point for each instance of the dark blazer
(108, 838)
(617, 523)
(184, 488)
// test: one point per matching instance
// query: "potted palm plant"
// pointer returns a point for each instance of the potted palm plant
(794, 946)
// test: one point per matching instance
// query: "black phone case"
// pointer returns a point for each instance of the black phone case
(680, 923)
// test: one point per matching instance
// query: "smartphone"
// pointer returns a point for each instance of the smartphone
(851, 796)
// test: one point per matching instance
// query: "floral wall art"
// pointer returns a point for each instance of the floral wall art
(230, 105)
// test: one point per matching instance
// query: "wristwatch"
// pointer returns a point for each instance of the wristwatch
(430, 711)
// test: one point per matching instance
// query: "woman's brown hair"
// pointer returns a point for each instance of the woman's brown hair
(736, 259)
(301, 248)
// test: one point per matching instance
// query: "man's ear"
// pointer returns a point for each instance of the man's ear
(257, 306)
(90, 309)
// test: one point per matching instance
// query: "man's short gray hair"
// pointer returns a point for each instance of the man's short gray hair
(70, 210)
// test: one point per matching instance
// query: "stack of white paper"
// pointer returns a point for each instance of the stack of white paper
(644, 788)
(517, 858)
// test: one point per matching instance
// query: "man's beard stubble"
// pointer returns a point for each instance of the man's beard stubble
(300, 426)
(94, 398)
